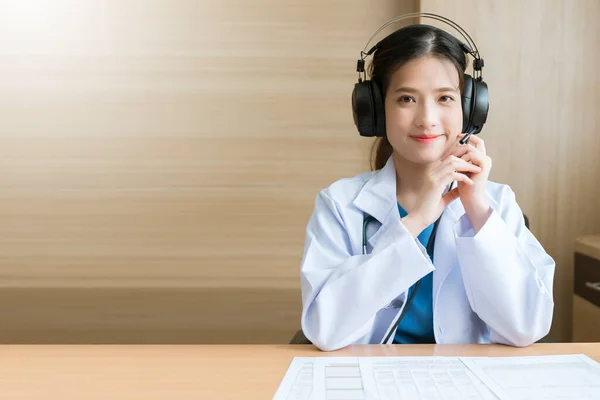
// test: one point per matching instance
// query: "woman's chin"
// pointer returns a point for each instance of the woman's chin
(427, 156)
(418, 153)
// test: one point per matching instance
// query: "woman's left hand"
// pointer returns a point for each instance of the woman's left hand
(474, 197)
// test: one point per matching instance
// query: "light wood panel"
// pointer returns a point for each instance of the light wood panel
(541, 66)
(586, 320)
(182, 315)
(205, 372)
(181, 144)
(172, 142)
(166, 145)
(588, 245)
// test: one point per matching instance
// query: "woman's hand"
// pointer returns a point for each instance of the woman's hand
(474, 196)
(432, 200)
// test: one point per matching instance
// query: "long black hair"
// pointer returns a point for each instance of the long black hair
(402, 46)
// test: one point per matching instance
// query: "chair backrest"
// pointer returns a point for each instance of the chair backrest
(299, 338)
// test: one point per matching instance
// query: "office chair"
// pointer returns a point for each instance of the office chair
(299, 338)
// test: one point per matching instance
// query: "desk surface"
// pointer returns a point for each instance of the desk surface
(588, 245)
(195, 372)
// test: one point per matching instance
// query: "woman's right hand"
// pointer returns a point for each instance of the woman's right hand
(432, 200)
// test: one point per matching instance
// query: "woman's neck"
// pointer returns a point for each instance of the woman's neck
(410, 178)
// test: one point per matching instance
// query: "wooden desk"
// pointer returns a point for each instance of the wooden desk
(194, 372)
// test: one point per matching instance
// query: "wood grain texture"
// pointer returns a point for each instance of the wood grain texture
(205, 372)
(541, 66)
(586, 320)
(172, 143)
(181, 144)
(166, 145)
(130, 315)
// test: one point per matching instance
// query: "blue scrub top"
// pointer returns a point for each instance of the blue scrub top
(417, 324)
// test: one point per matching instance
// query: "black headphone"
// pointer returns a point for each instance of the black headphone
(368, 107)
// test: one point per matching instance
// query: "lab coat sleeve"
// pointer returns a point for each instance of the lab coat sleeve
(342, 292)
(507, 274)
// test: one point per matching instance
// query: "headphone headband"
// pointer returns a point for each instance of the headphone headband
(467, 47)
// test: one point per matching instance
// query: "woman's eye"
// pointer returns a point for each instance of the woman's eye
(446, 99)
(405, 99)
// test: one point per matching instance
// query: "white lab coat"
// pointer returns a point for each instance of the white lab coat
(495, 286)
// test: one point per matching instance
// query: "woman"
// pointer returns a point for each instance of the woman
(478, 275)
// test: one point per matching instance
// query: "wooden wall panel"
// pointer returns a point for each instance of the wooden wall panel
(171, 144)
(541, 66)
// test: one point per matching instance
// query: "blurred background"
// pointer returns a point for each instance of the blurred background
(159, 159)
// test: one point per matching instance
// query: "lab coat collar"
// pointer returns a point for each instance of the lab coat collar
(378, 195)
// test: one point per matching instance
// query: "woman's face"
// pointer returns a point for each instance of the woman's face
(423, 112)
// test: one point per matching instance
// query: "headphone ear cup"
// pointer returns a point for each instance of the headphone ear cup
(368, 109)
(379, 108)
(475, 104)
(362, 109)
(480, 106)
(467, 103)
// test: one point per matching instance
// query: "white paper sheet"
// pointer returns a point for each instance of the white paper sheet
(297, 383)
(443, 378)
(543, 377)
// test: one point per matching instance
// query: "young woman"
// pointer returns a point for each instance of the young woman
(444, 256)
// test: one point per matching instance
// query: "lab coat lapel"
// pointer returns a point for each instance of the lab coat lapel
(444, 252)
(377, 198)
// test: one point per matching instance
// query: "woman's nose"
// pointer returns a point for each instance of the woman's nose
(427, 115)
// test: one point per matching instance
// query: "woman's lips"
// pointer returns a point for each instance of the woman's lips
(425, 138)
